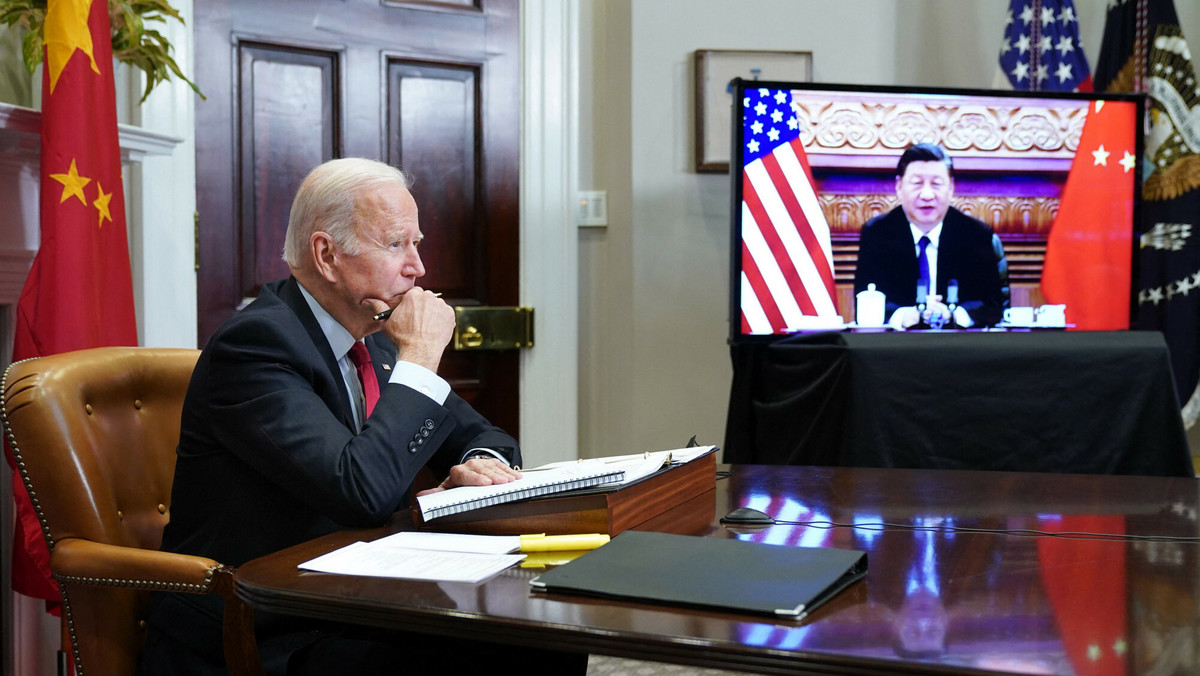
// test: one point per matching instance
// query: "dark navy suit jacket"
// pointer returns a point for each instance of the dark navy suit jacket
(968, 251)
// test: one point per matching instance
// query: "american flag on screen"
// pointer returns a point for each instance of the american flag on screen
(1041, 49)
(787, 261)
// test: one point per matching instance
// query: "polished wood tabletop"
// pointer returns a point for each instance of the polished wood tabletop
(946, 591)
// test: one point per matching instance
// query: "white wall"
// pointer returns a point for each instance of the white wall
(654, 284)
(163, 204)
(654, 366)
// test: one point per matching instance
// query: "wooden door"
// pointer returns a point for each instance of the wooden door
(431, 87)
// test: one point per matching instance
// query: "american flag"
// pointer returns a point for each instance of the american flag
(1041, 50)
(787, 262)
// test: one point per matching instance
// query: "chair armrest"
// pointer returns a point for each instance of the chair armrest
(94, 563)
(78, 561)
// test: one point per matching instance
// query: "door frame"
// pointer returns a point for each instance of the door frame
(549, 235)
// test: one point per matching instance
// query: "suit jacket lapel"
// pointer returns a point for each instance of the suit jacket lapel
(904, 243)
(949, 248)
(290, 293)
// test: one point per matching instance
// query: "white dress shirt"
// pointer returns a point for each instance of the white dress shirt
(961, 316)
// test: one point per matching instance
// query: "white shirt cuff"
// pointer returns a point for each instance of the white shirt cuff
(963, 318)
(484, 451)
(420, 379)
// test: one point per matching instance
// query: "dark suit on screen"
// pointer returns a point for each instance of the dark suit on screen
(968, 251)
(268, 457)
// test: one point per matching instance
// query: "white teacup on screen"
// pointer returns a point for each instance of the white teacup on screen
(1051, 315)
(869, 309)
(1018, 316)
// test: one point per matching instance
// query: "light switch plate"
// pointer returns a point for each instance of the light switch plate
(593, 208)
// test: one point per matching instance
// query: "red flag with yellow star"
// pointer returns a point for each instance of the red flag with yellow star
(1090, 248)
(79, 293)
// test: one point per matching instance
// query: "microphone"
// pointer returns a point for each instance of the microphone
(922, 292)
(952, 302)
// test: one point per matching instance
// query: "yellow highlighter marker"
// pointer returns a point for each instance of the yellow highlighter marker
(544, 559)
(541, 542)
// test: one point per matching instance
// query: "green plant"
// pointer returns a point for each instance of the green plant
(132, 41)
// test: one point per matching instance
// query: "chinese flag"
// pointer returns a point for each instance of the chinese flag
(79, 293)
(1085, 582)
(1090, 248)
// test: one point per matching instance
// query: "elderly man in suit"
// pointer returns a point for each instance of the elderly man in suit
(926, 243)
(306, 415)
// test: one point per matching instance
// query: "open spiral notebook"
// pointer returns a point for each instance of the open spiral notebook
(548, 480)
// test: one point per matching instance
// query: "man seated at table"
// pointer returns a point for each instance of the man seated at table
(926, 243)
(305, 415)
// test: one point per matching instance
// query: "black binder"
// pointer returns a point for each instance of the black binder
(709, 572)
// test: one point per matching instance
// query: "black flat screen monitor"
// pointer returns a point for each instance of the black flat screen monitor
(1055, 176)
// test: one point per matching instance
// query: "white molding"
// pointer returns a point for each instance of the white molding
(136, 143)
(14, 268)
(19, 118)
(549, 239)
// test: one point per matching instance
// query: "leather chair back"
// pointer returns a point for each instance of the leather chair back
(94, 433)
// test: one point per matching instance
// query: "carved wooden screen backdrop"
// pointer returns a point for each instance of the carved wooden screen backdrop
(1010, 163)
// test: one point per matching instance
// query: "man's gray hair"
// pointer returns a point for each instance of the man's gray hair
(326, 199)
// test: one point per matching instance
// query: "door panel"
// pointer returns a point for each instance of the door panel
(433, 126)
(287, 101)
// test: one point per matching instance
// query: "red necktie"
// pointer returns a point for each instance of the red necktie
(366, 375)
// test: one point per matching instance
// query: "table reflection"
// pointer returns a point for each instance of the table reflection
(940, 595)
(1041, 605)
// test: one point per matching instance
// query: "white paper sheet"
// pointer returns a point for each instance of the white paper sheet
(453, 542)
(679, 456)
(373, 559)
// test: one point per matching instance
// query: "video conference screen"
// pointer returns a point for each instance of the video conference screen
(1034, 212)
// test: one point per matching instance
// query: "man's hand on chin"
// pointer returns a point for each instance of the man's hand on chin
(420, 326)
(477, 472)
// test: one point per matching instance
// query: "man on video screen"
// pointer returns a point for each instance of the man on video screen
(929, 245)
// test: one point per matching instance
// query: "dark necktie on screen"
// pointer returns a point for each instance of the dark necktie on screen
(923, 267)
(366, 376)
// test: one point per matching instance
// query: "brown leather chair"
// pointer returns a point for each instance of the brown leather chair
(94, 435)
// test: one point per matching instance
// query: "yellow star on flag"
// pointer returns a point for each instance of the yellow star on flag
(1128, 161)
(73, 184)
(101, 204)
(66, 30)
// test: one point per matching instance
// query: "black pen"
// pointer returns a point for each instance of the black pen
(388, 312)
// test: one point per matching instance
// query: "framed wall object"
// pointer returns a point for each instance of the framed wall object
(714, 69)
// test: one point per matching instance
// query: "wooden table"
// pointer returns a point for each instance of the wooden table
(934, 601)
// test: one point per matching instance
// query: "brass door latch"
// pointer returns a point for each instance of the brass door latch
(492, 328)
